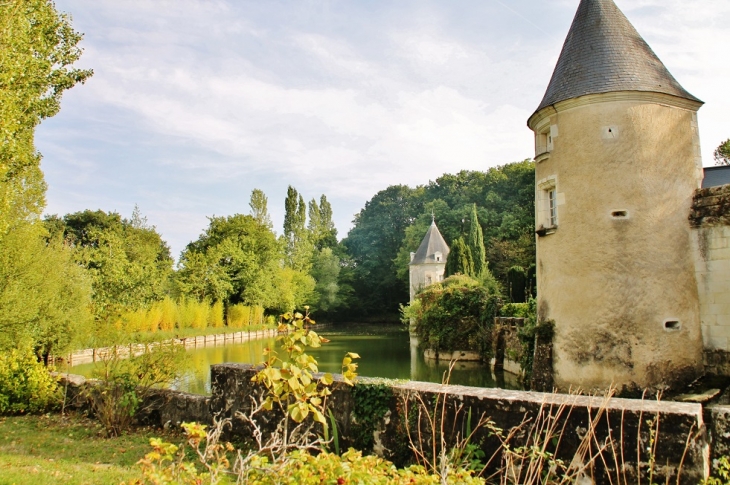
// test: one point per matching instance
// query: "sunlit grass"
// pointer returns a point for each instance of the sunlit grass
(52, 449)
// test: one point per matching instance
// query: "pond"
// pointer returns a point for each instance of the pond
(385, 350)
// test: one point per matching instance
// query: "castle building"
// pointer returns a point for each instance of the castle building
(428, 264)
(618, 164)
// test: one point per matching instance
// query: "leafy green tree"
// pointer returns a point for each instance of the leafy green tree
(374, 242)
(128, 262)
(298, 242)
(460, 259)
(722, 153)
(235, 260)
(326, 271)
(475, 243)
(43, 294)
(259, 205)
(38, 47)
(517, 284)
(504, 197)
(321, 226)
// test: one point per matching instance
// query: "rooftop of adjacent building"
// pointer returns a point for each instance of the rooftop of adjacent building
(716, 176)
(604, 53)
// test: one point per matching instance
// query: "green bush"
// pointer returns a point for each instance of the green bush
(456, 315)
(517, 310)
(167, 464)
(26, 386)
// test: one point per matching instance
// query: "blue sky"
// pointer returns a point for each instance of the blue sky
(195, 103)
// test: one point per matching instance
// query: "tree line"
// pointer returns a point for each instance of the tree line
(500, 202)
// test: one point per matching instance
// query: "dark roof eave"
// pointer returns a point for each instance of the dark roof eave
(680, 101)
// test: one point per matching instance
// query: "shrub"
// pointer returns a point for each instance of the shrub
(26, 386)
(457, 315)
(168, 309)
(238, 315)
(125, 382)
(517, 310)
(192, 314)
(215, 316)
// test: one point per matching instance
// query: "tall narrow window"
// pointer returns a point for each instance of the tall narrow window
(553, 207)
(547, 206)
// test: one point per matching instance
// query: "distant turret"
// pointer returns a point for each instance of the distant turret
(428, 264)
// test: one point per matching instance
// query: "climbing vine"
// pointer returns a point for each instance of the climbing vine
(529, 334)
(456, 315)
(371, 403)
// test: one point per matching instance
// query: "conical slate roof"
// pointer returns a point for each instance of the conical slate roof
(604, 53)
(432, 243)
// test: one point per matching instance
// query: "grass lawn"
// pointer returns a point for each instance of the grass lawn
(68, 449)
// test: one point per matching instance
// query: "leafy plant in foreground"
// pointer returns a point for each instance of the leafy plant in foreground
(26, 386)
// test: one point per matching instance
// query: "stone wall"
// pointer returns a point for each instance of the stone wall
(508, 348)
(161, 408)
(683, 441)
(710, 220)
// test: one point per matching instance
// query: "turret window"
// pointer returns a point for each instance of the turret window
(552, 207)
(547, 202)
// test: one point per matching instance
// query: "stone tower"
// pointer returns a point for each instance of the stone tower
(617, 162)
(428, 264)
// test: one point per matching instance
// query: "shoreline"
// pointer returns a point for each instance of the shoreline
(87, 356)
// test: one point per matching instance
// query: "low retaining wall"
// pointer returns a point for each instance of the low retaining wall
(688, 437)
(680, 444)
(92, 355)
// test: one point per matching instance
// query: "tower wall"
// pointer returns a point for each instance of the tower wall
(423, 275)
(617, 272)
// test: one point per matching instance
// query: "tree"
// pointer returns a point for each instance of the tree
(259, 204)
(374, 242)
(326, 271)
(722, 153)
(475, 243)
(504, 197)
(38, 48)
(460, 259)
(43, 294)
(297, 239)
(326, 233)
(235, 260)
(128, 262)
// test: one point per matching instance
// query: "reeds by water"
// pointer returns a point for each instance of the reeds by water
(167, 315)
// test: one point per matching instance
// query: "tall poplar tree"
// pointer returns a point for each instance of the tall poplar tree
(460, 259)
(297, 240)
(476, 244)
(259, 205)
(41, 289)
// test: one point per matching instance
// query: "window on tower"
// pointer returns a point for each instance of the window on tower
(552, 207)
(547, 206)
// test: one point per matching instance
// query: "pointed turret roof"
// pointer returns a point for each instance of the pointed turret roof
(604, 53)
(432, 243)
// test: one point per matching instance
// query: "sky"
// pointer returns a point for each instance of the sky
(195, 103)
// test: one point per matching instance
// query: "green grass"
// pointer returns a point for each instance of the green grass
(51, 449)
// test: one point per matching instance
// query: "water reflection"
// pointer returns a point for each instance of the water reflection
(386, 351)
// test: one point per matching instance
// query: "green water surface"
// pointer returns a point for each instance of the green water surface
(385, 350)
